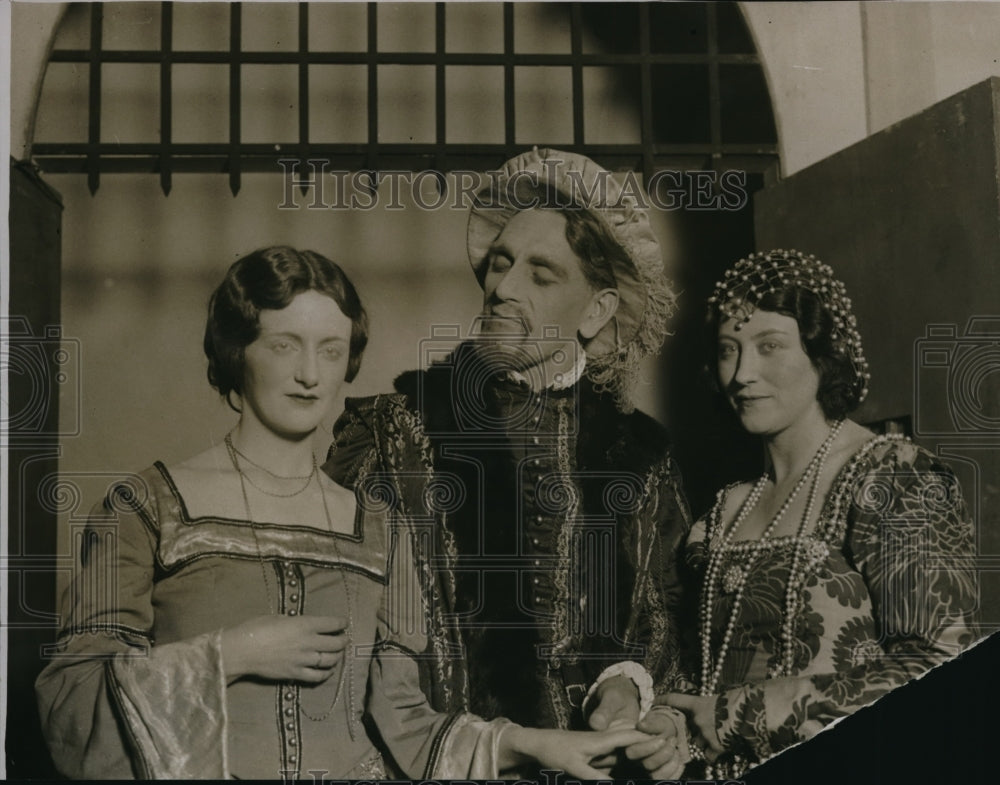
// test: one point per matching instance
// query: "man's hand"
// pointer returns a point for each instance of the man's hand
(616, 704)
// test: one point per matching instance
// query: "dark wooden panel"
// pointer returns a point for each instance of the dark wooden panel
(910, 219)
(37, 360)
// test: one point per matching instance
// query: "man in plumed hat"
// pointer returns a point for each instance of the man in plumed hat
(551, 509)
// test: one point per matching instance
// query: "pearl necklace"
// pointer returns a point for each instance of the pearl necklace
(734, 580)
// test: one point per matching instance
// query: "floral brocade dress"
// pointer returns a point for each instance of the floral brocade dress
(884, 590)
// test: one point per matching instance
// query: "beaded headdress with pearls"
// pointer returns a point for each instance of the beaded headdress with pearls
(738, 294)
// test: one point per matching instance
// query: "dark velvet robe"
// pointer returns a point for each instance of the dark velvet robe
(552, 524)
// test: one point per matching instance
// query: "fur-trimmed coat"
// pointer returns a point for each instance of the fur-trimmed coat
(549, 527)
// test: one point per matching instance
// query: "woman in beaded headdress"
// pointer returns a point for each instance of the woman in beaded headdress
(805, 608)
(234, 615)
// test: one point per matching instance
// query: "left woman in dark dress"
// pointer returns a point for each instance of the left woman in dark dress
(227, 610)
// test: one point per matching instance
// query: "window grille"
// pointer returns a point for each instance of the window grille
(690, 69)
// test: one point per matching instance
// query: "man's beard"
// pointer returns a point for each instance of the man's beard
(505, 344)
(508, 353)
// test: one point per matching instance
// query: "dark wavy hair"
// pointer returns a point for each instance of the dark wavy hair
(839, 392)
(270, 278)
(599, 252)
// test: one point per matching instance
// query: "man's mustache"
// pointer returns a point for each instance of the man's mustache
(492, 323)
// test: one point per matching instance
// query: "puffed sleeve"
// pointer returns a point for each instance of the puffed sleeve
(380, 446)
(353, 441)
(649, 551)
(665, 615)
(908, 533)
(422, 743)
(112, 703)
(911, 537)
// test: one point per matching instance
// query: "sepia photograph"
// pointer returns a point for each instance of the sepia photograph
(537, 391)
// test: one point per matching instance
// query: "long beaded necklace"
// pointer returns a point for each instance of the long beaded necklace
(348, 659)
(735, 577)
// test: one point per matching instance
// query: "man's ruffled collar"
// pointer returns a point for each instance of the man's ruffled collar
(564, 381)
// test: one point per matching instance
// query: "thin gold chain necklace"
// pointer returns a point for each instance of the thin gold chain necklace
(348, 660)
(233, 451)
(248, 459)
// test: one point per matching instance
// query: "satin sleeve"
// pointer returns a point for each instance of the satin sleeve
(420, 742)
(112, 703)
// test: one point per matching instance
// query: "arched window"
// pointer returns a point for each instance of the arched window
(234, 88)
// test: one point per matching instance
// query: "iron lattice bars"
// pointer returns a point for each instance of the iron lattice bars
(232, 156)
